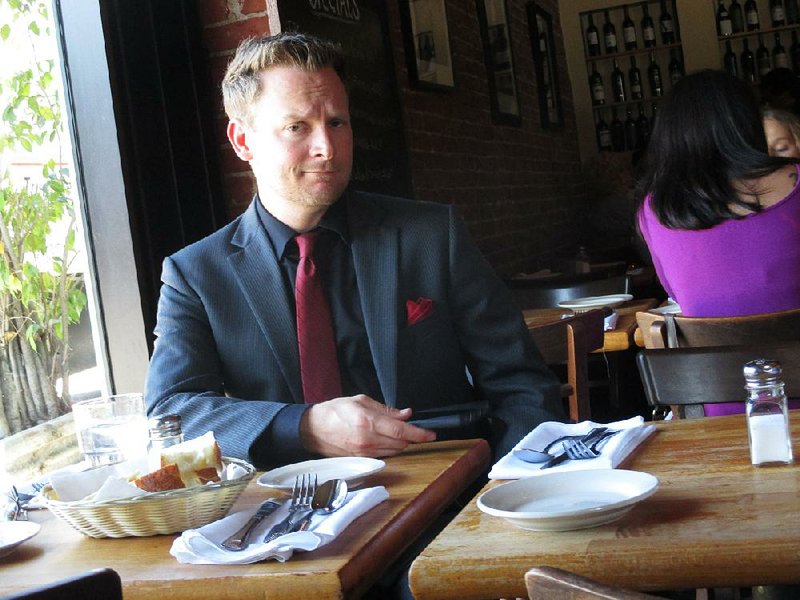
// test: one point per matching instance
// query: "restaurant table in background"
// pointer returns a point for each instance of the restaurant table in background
(715, 521)
(421, 481)
(618, 339)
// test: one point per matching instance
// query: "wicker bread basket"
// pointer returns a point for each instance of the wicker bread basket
(152, 514)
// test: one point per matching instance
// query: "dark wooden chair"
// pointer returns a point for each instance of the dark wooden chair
(676, 331)
(687, 378)
(569, 342)
(549, 583)
(98, 584)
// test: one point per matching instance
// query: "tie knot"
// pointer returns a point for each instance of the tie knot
(305, 243)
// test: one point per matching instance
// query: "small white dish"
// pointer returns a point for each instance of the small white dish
(670, 308)
(569, 499)
(592, 302)
(353, 469)
(14, 533)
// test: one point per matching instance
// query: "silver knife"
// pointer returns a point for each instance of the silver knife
(238, 541)
(586, 439)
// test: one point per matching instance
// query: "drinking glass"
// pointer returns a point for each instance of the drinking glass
(111, 429)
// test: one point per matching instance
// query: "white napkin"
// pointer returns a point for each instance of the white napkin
(202, 546)
(610, 322)
(633, 432)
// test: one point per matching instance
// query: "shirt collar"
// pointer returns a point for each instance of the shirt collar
(280, 234)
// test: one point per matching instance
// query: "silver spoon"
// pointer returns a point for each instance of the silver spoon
(530, 455)
(326, 501)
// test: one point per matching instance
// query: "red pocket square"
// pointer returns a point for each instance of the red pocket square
(418, 309)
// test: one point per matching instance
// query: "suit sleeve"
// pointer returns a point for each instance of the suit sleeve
(504, 363)
(185, 377)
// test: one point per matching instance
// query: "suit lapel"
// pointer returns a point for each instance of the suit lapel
(261, 281)
(375, 257)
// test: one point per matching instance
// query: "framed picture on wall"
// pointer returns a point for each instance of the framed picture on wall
(503, 97)
(540, 25)
(427, 43)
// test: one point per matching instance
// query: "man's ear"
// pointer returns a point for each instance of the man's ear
(237, 135)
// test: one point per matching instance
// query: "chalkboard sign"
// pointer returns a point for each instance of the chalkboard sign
(380, 158)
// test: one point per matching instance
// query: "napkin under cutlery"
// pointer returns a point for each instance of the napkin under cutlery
(202, 546)
(633, 432)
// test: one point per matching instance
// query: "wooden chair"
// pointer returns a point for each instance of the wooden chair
(688, 378)
(549, 583)
(97, 584)
(675, 331)
(569, 342)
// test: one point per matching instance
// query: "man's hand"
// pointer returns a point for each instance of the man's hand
(359, 426)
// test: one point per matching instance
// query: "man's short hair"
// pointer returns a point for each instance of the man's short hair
(241, 86)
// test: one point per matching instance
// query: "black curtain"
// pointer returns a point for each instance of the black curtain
(163, 106)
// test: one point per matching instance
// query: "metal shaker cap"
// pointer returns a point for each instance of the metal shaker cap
(762, 372)
(165, 426)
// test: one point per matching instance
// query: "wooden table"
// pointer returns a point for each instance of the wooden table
(618, 339)
(715, 521)
(421, 483)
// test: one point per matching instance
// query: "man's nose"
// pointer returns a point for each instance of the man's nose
(322, 145)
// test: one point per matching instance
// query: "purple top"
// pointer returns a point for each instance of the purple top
(739, 267)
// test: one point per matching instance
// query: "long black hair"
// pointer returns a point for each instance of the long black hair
(707, 137)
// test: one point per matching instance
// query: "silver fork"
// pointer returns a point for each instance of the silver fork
(302, 493)
(578, 450)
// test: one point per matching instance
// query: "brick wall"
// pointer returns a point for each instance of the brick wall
(518, 187)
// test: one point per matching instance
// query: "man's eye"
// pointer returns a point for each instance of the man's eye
(338, 123)
(294, 127)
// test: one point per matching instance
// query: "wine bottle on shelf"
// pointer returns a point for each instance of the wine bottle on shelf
(724, 23)
(665, 25)
(675, 66)
(751, 15)
(748, 63)
(642, 128)
(603, 134)
(596, 87)
(631, 139)
(794, 51)
(730, 61)
(654, 76)
(737, 17)
(618, 83)
(617, 132)
(792, 11)
(777, 13)
(609, 35)
(592, 38)
(763, 61)
(629, 31)
(780, 60)
(648, 29)
(635, 78)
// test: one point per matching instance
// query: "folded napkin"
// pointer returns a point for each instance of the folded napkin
(632, 433)
(202, 546)
(610, 322)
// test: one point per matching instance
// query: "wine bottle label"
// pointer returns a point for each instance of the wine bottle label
(592, 38)
(629, 35)
(752, 17)
(598, 93)
(781, 61)
(636, 90)
(725, 27)
(666, 26)
(611, 40)
(777, 14)
(605, 138)
(649, 34)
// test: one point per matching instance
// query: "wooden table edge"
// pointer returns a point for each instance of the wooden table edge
(356, 575)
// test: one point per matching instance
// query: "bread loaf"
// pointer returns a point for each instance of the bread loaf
(199, 460)
(190, 463)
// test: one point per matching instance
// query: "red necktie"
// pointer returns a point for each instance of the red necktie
(319, 369)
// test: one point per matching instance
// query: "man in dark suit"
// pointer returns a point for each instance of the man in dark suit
(419, 318)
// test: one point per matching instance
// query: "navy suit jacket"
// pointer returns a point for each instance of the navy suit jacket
(226, 355)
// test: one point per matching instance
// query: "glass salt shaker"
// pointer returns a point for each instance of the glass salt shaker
(164, 431)
(767, 413)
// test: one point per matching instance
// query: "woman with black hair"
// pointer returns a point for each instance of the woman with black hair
(720, 216)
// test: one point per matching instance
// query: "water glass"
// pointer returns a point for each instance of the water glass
(111, 429)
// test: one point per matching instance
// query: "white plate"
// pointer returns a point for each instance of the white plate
(671, 308)
(569, 499)
(14, 533)
(353, 469)
(591, 302)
